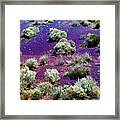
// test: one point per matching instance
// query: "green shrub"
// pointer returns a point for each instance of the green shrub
(79, 59)
(73, 93)
(28, 33)
(46, 22)
(96, 24)
(31, 63)
(75, 60)
(35, 23)
(92, 40)
(45, 90)
(78, 71)
(27, 77)
(85, 58)
(27, 74)
(50, 21)
(43, 60)
(75, 23)
(84, 22)
(64, 47)
(25, 94)
(90, 87)
(56, 34)
(52, 75)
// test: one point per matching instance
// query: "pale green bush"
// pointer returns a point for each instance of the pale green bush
(56, 34)
(78, 71)
(31, 63)
(52, 75)
(92, 40)
(90, 87)
(27, 77)
(43, 60)
(28, 33)
(45, 90)
(73, 93)
(64, 47)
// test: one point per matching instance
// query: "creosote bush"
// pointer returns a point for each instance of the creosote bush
(78, 71)
(45, 90)
(52, 75)
(28, 33)
(56, 34)
(46, 22)
(85, 88)
(31, 63)
(36, 23)
(92, 40)
(73, 93)
(27, 78)
(25, 94)
(79, 59)
(75, 60)
(43, 60)
(85, 58)
(90, 87)
(96, 24)
(75, 23)
(64, 47)
(85, 22)
(50, 21)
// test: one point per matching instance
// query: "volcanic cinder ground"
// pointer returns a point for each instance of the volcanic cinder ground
(38, 46)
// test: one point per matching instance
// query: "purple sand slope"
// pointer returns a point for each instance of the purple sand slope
(38, 46)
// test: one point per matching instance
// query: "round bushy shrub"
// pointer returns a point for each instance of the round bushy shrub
(76, 59)
(56, 34)
(50, 21)
(43, 60)
(31, 63)
(90, 87)
(45, 90)
(84, 22)
(85, 58)
(73, 93)
(92, 40)
(36, 23)
(29, 33)
(96, 24)
(27, 74)
(78, 71)
(75, 23)
(27, 77)
(25, 94)
(46, 22)
(64, 47)
(52, 75)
